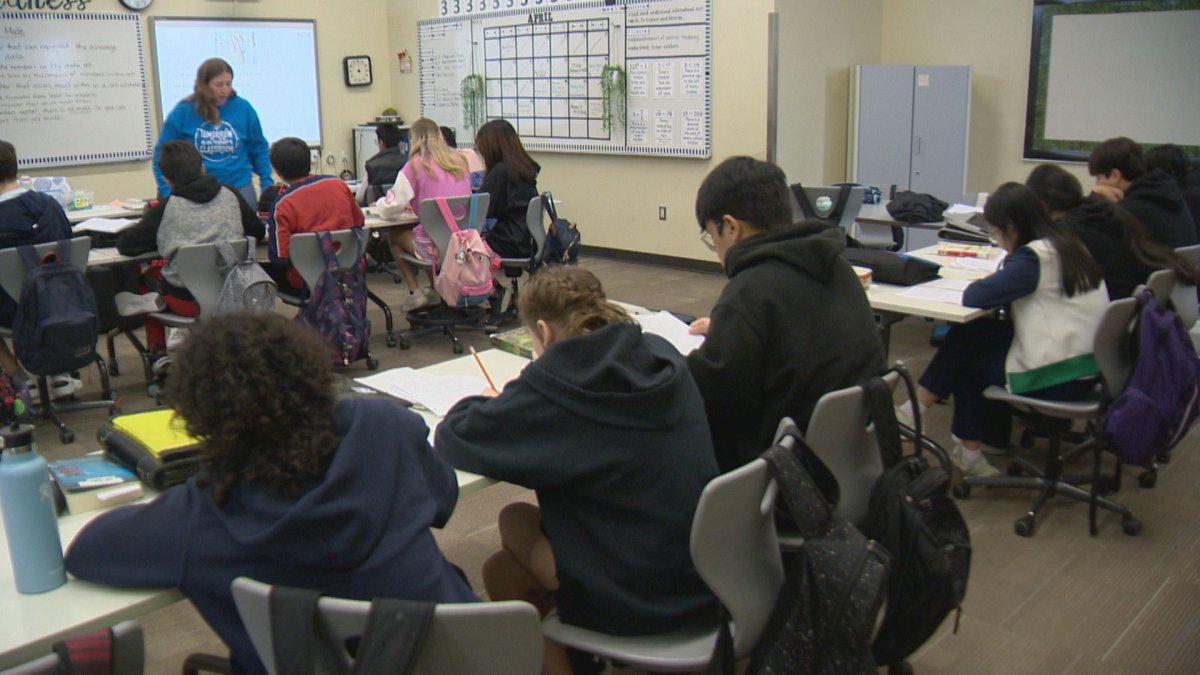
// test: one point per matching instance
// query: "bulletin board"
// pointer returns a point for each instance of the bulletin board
(73, 88)
(542, 71)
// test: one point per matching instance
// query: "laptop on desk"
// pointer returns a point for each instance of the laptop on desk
(824, 202)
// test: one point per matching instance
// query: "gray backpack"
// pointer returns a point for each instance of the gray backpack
(247, 286)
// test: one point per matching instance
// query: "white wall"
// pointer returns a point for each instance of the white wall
(341, 31)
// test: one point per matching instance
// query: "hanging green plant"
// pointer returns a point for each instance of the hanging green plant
(612, 90)
(473, 101)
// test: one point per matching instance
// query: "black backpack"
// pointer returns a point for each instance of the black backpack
(832, 589)
(57, 321)
(912, 515)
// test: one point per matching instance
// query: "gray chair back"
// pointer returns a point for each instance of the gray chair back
(305, 252)
(1161, 283)
(1190, 253)
(201, 269)
(535, 220)
(483, 637)
(436, 227)
(840, 434)
(12, 268)
(1112, 345)
(735, 550)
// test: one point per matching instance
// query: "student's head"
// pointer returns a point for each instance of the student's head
(213, 86)
(741, 198)
(498, 142)
(1015, 217)
(562, 302)
(449, 136)
(1116, 162)
(1170, 158)
(8, 162)
(427, 148)
(1056, 188)
(388, 135)
(180, 162)
(290, 158)
(258, 389)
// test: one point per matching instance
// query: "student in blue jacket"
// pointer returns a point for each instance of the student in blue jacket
(298, 488)
(607, 425)
(225, 129)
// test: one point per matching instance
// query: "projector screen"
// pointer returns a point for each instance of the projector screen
(1113, 68)
(274, 68)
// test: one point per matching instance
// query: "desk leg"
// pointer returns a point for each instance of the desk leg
(885, 320)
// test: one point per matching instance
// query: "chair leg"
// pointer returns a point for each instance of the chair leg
(387, 316)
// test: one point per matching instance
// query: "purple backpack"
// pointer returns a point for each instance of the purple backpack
(1162, 398)
(337, 306)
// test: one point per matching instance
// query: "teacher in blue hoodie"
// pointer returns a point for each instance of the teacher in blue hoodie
(297, 488)
(225, 129)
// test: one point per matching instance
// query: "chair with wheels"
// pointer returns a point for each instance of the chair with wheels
(128, 654)
(482, 637)
(1116, 360)
(12, 279)
(441, 318)
(735, 550)
(305, 254)
(515, 268)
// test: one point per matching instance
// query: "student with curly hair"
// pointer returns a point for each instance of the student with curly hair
(608, 427)
(298, 488)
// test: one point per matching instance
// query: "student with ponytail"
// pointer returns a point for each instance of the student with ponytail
(1115, 238)
(607, 425)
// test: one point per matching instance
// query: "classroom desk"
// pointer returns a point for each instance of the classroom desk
(886, 298)
(102, 211)
(373, 221)
(30, 624)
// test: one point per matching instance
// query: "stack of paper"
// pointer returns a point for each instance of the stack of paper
(105, 225)
(939, 290)
(668, 327)
(436, 393)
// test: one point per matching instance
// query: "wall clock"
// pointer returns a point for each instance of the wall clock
(357, 70)
(137, 5)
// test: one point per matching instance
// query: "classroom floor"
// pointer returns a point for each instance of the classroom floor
(1059, 602)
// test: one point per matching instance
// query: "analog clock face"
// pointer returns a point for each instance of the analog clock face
(357, 70)
(136, 4)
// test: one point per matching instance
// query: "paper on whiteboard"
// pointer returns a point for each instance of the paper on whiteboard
(437, 393)
(671, 329)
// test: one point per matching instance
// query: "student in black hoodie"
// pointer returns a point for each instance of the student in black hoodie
(1175, 162)
(1153, 197)
(792, 324)
(511, 180)
(607, 426)
(1116, 239)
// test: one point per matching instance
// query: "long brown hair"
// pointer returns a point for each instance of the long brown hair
(1058, 190)
(258, 389)
(427, 147)
(497, 142)
(206, 107)
(570, 299)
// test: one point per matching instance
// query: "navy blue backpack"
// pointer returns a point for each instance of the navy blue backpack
(57, 319)
(562, 238)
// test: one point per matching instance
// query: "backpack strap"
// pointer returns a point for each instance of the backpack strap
(883, 417)
(810, 509)
(292, 616)
(393, 636)
(327, 251)
(227, 255)
(29, 256)
(548, 205)
(451, 221)
(473, 211)
(843, 196)
(250, 246)
(802, 198)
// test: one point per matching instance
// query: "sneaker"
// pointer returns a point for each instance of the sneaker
(432, 297)
(989, 450)
(980, 468)
(61, 386)
(132, 304)
(412, 302)
(903, 416)
(175, 337)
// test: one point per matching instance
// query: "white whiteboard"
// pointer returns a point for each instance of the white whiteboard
(541, 67)
(274, 68)
(73, 88)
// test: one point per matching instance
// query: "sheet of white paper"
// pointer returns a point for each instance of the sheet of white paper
(965, 209)
(949, 284)
(936, 294)
(671, 329)
(977, 264)
(437, 393)
(105, 225)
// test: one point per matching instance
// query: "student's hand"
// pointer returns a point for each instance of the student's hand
(489, 392)
(1110, 192)
(699, 326)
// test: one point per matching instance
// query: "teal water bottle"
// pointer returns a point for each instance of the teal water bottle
(27, 503)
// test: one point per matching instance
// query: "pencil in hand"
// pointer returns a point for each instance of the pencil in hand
(486, 376)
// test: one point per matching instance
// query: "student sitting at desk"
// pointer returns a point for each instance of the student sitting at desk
(26, 217)
(792, 324)
(382, 167)
(607, 426)
(1151, 196)
(1116, 239)
(198, 210)
(331, 495)
(309, 203)
(433, 170)
(1057, 297)
(511, 180)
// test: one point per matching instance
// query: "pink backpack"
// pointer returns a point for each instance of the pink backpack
(466, 275)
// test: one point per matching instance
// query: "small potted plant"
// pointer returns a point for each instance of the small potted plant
(612, 91)
(473, 101)
(389, 115)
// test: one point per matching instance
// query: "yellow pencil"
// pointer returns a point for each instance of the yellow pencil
(479, 362)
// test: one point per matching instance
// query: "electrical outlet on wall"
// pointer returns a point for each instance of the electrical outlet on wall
(314, 155)
(662, 213)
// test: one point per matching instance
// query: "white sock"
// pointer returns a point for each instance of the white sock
(970, 456)
(907, 407)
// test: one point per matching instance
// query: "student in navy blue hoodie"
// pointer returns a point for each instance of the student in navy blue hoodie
(224, 127)
(608, 427)
(299, 489)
